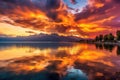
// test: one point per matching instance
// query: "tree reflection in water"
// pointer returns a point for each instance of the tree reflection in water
(108, 47)
(118, 50)
(99, 46)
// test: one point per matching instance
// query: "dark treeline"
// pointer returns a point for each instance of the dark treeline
(108, 37)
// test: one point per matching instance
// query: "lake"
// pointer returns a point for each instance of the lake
(59, 61)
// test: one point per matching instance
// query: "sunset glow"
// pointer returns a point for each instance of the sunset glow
(84, 19)
(59, 40)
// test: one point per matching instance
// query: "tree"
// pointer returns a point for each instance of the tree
(111, 37)
(105, 37)
(96, 38)
(100, 37)
(118, 35)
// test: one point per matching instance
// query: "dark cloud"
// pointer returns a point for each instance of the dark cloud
(47, 6)
(73, 1)
(52, 15)
(113, 24)
(31, 32)
(10, 1)
(117, 1)
(53, 4)
(102, 11)
(90, 11)
(61, 28)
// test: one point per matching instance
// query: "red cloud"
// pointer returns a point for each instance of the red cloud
(95, 18)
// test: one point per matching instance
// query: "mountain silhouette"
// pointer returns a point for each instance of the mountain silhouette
(42, 37)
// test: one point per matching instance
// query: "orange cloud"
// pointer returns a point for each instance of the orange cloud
(94, 18)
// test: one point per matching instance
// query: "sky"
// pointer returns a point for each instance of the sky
(81, 18)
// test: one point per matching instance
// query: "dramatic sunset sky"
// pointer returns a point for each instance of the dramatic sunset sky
(82, 18)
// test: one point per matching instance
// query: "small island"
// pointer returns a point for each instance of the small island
(104, 39)
(108, 38)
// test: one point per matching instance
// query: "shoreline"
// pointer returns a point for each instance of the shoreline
(109, 43)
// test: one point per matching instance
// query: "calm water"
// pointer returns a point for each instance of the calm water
(59, 61)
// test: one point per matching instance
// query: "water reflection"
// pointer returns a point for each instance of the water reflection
(118, 50)
(108, 47)
(99, 46)
(75, 74)
(53, 61)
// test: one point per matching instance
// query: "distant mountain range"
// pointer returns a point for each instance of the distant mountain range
(43, 37)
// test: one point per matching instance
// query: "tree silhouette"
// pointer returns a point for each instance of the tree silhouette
(105, 38)
(118, 35)
(100, 37)
(96, 38)
(110, 37)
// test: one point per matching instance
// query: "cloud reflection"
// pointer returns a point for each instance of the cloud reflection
(56, 60)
